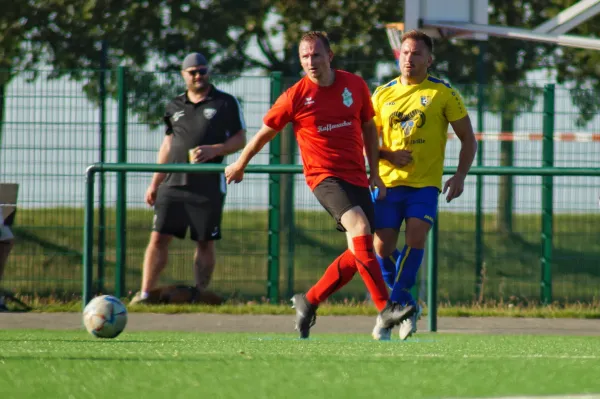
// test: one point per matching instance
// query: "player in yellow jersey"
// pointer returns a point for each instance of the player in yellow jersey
(412, 113)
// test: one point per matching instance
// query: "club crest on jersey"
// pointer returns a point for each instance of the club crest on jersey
(347, 97)
(425, 100)
(209, 113)
(407, 127)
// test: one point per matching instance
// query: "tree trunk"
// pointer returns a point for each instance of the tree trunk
(506, 185)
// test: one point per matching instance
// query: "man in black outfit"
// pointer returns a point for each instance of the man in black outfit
(202, 126)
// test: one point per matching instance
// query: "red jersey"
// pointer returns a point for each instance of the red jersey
(327, 122)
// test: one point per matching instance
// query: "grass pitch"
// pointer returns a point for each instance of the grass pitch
(66, 364)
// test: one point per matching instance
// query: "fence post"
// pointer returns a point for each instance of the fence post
(121, 222)
(479, 231)
(432, 275)
(290, 217)
(102, 159)
(88, 237)
(547, 194)
(274, 204)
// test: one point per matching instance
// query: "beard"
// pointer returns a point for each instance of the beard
(199, 86)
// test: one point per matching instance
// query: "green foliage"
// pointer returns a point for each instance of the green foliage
(353, 26)
(503, 64)
(580, 68)
(506, 62)
(68, 35)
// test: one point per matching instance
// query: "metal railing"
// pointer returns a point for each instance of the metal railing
(273, 274)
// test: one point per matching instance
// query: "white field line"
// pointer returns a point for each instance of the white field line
(591, 396)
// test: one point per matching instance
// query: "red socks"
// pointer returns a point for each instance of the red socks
(342, 270)
(337, 275)
(370, 271)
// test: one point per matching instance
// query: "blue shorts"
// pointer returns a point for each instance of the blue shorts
(404, 202)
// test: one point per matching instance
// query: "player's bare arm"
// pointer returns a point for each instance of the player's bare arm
(157, 178)
(464, 131)
(235, 171)
(371, 140)
(399, 158)
(205, 153)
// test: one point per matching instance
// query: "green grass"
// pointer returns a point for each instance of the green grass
(47, 258)
(64, 364)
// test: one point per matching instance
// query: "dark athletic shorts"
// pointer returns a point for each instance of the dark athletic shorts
(177, 208)
(338, 196)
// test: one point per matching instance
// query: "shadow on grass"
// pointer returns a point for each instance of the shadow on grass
(51, 250)
(564, 261)
(57, 253)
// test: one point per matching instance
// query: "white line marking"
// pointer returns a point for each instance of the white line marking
(568, 396)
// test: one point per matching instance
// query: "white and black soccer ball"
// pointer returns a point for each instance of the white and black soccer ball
(105, 316)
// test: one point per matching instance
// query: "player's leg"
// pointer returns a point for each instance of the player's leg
(387, 254)
(388, 219)
(205, 214)
(360, 241)
(421, 210)
(155, 260)
(169, 220)
(408, 266)
(340, 271)
(370, 270)
(6, 245)
(410, 259)
(352, 208)
(204, 263)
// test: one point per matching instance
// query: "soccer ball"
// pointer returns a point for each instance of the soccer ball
(105, 316)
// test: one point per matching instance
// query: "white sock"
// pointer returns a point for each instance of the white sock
(144, 295)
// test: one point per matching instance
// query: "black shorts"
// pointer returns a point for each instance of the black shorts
(338, 196)
(177, 208)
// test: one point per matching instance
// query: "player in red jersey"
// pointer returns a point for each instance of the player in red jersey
(332, 117)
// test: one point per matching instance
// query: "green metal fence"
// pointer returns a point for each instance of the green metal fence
(274, 251)
(52, 132)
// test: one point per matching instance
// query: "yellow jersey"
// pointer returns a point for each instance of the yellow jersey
(416, 118)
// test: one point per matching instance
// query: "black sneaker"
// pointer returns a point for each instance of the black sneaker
(394, 314)
(306, 314)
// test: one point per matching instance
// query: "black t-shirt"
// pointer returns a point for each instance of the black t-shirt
(211, 121)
